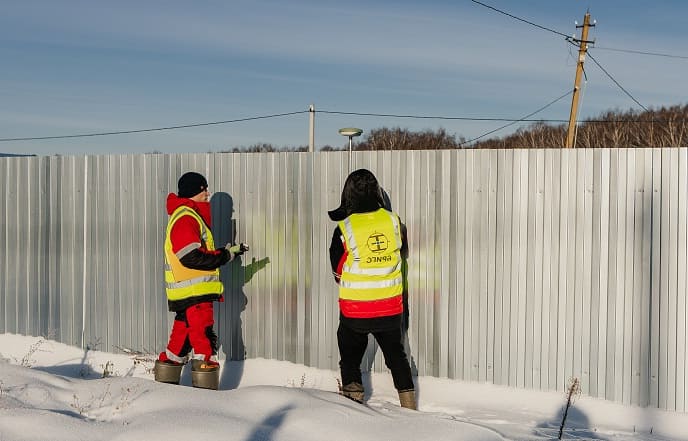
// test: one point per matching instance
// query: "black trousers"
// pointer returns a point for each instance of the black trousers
(352, 345)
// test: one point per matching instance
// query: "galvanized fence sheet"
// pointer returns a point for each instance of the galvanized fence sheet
(526, 267)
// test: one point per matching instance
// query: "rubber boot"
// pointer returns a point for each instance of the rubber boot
(205, 375)
(354, 391)
(167, 372)
(407, 399)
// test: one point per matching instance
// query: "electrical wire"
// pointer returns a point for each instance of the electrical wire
(521, 19)
(525, 118)
(616, 82)
(157, 129)
(464, 118)
(332, 112)
(574, 39)
(450, 118)
(631, 51)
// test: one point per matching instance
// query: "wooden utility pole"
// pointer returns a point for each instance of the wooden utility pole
(583, 49)
(311, 128)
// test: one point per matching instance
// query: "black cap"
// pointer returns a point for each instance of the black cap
(190, 184)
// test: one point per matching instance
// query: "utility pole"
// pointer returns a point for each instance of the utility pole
(583, 49)
(311, 128)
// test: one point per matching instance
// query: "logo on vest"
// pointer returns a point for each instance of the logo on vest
(377, 243)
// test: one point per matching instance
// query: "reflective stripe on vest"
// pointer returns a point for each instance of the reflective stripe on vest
(372, 270)
(371, 284)
(182, 282)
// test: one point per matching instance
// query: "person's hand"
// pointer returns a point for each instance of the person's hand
(237, 250)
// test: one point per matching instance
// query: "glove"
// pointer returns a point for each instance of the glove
(237, 250)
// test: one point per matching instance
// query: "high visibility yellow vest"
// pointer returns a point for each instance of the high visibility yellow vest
(182, 282)
(371, 282)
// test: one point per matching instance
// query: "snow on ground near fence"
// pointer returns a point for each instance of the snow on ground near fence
(50, 391)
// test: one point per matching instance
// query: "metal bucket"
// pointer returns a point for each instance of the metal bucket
(206, 379)
(167, 373)
(204, 376)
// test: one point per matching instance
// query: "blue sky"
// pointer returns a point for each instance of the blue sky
(78, 67)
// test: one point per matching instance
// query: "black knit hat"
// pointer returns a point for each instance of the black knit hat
(190, 184)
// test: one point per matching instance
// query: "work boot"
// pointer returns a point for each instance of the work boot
(205, 374)
(167, 371)
(407, 399)
(353, 391)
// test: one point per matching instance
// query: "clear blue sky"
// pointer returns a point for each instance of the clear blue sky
(77, 67)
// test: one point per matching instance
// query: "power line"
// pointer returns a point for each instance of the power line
(573, 39)
(333, 112)
(484, 119)
(518, 120)
(616, 82)
(522, 19)
(157, 129)
(631, 51)
(450, 118)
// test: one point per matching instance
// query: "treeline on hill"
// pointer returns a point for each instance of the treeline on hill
(663, 127)
(265, 147)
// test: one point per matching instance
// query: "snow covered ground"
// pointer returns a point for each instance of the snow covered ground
(50, 391)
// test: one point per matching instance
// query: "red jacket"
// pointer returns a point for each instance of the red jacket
(188, 245)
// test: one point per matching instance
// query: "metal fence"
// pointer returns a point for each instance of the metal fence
(526, 267)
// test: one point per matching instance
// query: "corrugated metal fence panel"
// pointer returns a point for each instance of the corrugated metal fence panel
(526, 267)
